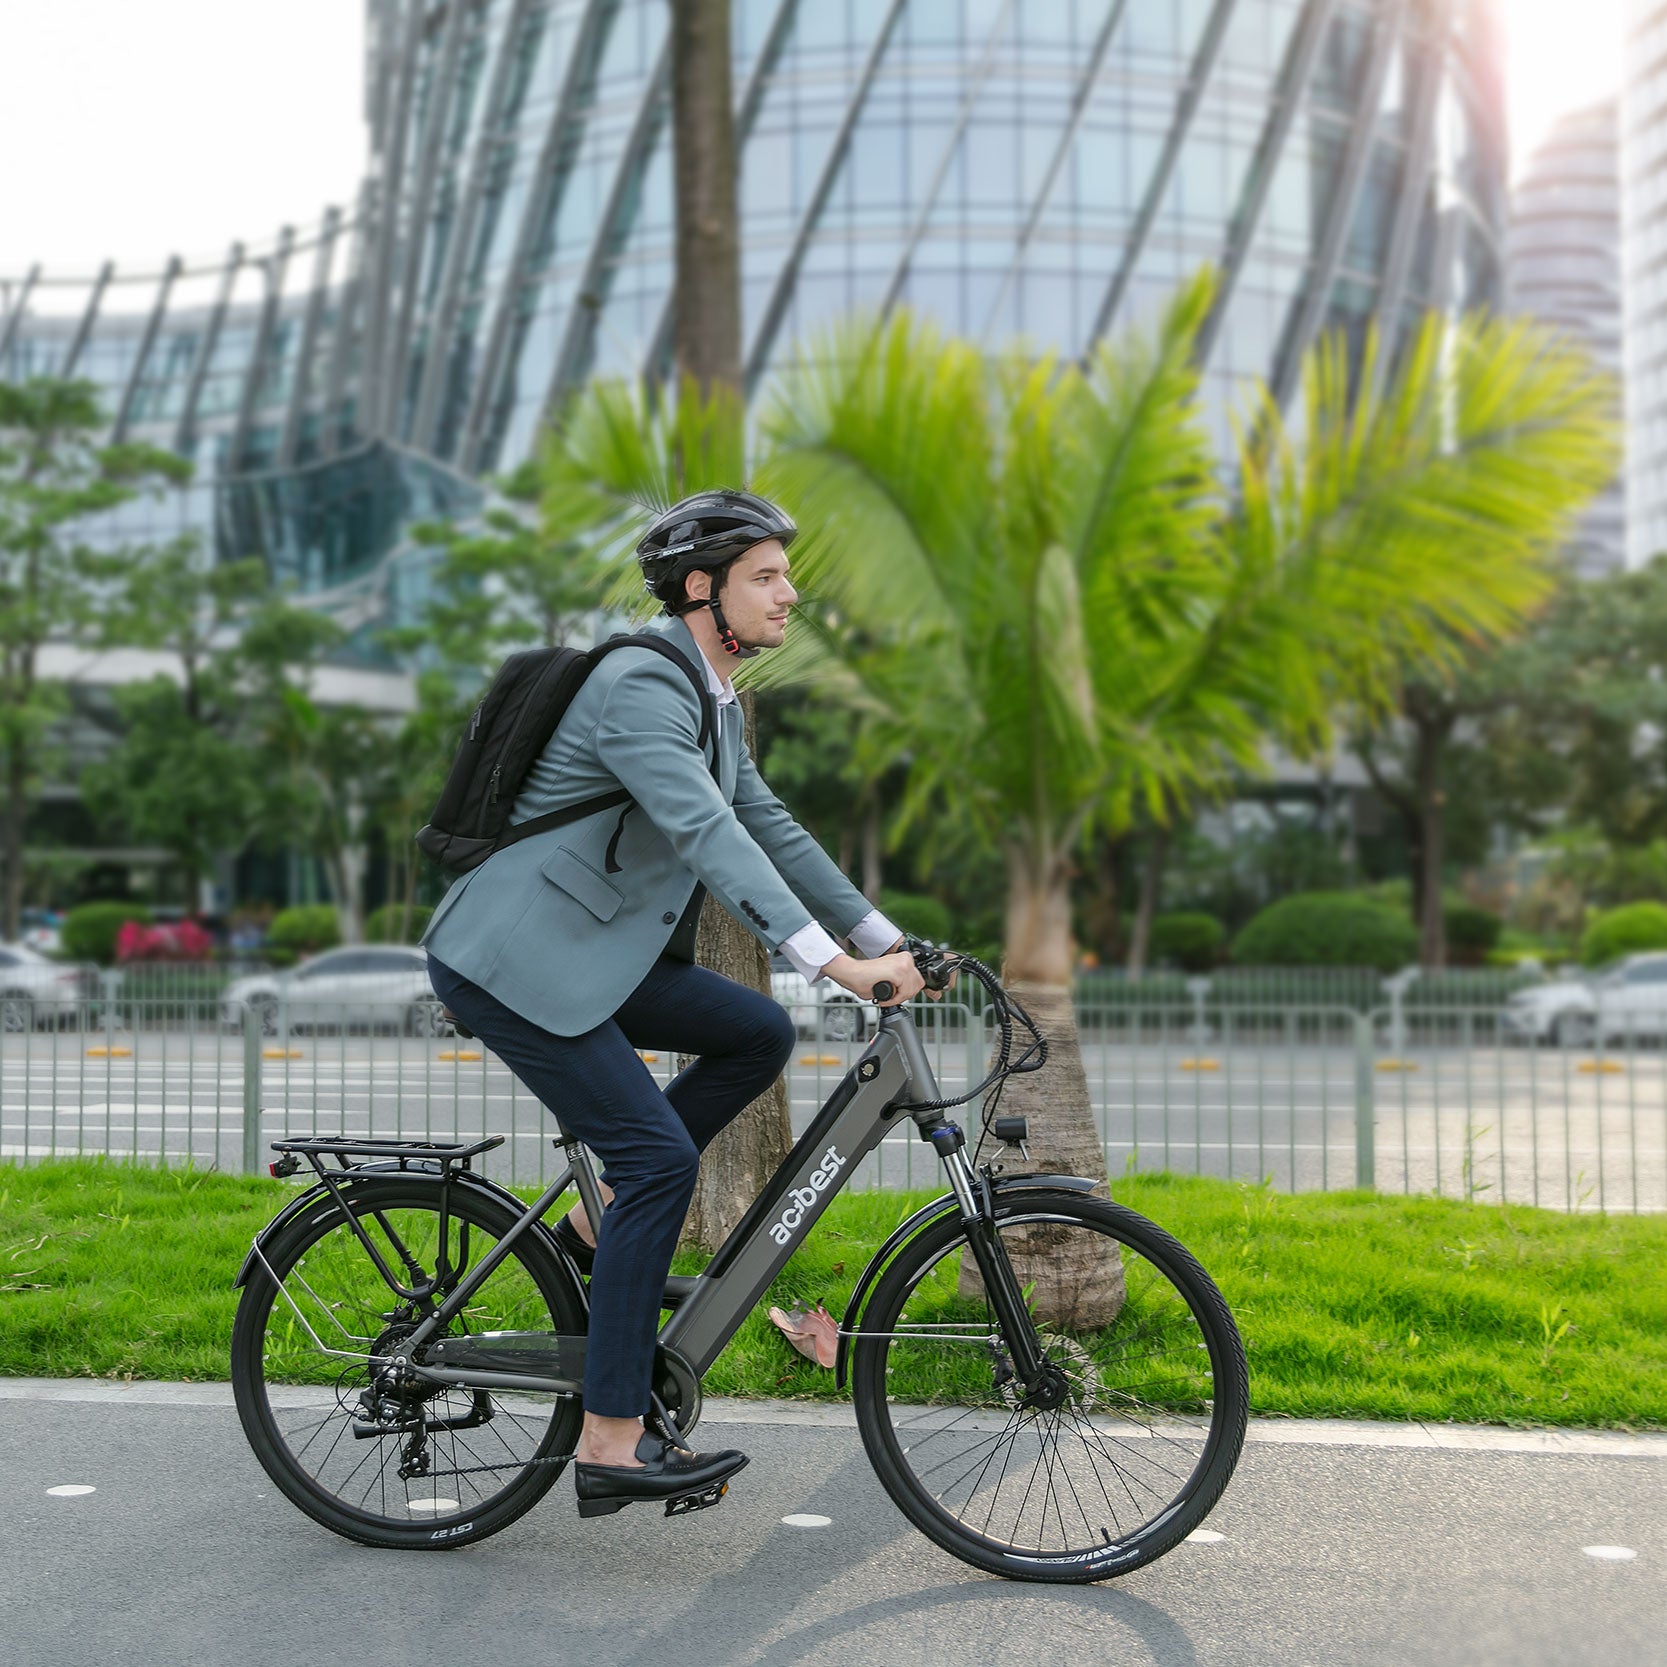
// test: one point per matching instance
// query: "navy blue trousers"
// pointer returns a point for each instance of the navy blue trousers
(649, 1139)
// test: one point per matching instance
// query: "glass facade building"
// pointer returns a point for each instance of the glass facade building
(1044, 169)
(1644, 275)
(1564, 266)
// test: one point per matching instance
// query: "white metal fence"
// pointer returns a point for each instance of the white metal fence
(1405, 1099)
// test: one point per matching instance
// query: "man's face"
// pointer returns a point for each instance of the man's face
(756, 596)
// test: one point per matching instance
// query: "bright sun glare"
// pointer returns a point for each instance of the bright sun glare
(1560, 56)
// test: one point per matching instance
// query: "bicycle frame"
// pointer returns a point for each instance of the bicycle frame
(871, 1099)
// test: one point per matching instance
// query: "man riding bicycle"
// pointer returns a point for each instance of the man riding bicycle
(567, 953)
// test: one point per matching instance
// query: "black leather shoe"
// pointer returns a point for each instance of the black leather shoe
(685, 1481)
(567, 1236)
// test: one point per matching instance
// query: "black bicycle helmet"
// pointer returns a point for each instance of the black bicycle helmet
(706, 531)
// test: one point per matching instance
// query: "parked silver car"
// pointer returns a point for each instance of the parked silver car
(1625, 999)
(822, 1011)
(365, 984)
(35, 990)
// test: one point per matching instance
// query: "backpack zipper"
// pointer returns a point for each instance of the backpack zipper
(492, 784)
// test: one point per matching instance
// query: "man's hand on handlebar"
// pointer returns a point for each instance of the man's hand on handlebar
(896, 975)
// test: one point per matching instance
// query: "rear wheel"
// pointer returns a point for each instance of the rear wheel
(1131, 1437)
(16, 1012)
(387, 1460)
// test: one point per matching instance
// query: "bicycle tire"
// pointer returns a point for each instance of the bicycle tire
(528, 1288)
(1128, 1434)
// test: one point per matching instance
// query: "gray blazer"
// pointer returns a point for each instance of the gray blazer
(563, 926)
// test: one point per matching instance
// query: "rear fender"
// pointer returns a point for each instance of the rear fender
(918, 1222)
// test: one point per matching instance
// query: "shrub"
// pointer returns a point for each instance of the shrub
(1327, 929)
(303, 930)
(89, 930)
(1624, 931)
(1472, 933)
(388, 924)
(182, 940)
(924, 917)
(1192, 942)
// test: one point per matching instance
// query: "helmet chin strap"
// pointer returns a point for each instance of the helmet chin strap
(727, 640)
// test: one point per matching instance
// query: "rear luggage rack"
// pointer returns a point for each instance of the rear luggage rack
(314, 1148)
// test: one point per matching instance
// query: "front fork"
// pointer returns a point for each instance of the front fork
(973, 1194)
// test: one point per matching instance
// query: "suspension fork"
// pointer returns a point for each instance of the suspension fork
(978, 1216)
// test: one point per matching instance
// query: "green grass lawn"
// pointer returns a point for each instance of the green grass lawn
(1352, 1305)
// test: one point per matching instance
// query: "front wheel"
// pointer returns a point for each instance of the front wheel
(376, 1455)
(1119, 1452)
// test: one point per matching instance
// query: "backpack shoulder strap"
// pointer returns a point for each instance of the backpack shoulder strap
(518, 831)
(659, 645)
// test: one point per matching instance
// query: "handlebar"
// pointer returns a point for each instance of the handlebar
(935, 966)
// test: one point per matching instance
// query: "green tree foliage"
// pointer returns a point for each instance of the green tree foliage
(56, 479)
(1327, 929)
(1624, 931)
(397, 923)
(304, 929)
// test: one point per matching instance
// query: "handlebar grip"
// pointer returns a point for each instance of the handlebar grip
(884, 991)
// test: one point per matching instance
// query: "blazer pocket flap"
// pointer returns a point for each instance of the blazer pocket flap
(578, 879)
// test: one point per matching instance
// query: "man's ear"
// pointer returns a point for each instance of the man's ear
(697, 586)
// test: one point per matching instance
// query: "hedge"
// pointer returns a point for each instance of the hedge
(303, 930)
(1192, 942)
(1327, 929)
(89, 929)
(1624, 931)
(385, 925)
(924, 917)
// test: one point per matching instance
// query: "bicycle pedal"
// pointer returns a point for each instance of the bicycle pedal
(686, 1502)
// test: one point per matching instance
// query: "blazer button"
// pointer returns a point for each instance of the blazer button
(669, 918)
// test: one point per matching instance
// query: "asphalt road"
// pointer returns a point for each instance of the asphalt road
(1339, 1545)
(1534, 1126)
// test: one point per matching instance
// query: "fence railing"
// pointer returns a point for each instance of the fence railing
(1468, 1102)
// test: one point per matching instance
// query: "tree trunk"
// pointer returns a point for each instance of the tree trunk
(708, 280)
(1062, 1136)
(1151, 885)
(873, 876)
(17, 774)
(1102, 909)
(734, 1168)
(1431, 731)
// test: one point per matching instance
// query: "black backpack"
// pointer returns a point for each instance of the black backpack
(507, 731)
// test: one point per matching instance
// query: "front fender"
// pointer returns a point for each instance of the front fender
(918, 1222)
(318, 1197)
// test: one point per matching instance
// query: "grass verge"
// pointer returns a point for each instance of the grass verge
(1351, 1304)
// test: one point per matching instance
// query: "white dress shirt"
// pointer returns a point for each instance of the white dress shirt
(812, 947)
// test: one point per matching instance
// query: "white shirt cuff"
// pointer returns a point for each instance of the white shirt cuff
(810, 949)
(873, 935)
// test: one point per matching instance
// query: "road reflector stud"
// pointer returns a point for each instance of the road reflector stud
(1600, 1067)
(460, 1055)
(649, 1058)
(280, 1053)
(1396, 1065)
(109, 1053)
(820, 1059)
(1199, 1065)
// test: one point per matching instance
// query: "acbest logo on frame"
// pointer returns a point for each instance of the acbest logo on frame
(817, 1182)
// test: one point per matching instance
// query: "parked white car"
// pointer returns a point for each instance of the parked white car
(822, 1011)
(1626, 999)
(363, 984)
(35, 990)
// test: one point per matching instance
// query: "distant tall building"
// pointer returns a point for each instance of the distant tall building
(1044, 169)
(1563, 266)
(1644, 275)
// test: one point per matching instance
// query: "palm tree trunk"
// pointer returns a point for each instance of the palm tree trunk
(708, 282)
(1087, 1289)
(734, 1168)
(1151, 886)
(873, 875)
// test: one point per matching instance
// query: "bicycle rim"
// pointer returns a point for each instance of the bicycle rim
(1132, 1440)
(397, 1464)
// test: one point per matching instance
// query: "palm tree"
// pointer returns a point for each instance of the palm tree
(1033, 583)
